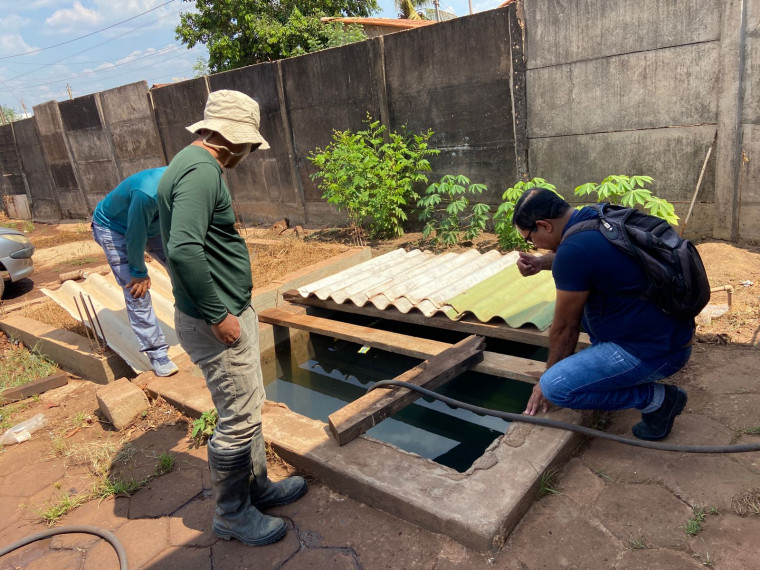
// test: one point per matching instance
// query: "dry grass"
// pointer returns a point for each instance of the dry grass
(53, 314)
(747, 503)
(271, 261)
(61, 238)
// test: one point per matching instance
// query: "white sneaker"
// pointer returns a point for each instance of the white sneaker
(164, 366)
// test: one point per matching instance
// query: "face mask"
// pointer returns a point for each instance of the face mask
(234, 157)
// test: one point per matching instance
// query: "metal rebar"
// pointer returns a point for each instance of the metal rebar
(97, 320)
(97, 347)
(86, 330)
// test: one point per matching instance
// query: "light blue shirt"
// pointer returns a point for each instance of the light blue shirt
(131, 209)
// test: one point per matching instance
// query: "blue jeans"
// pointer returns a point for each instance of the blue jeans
(233, 375)
(606, 377)
(140, 311)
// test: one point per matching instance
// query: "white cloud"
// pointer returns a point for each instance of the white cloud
(13, 22)
(13, 43)
(77, 18)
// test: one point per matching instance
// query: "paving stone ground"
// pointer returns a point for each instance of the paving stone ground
(616, 507)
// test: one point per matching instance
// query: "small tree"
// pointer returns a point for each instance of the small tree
(630, 192)
(445, 206)
(9, 115)
(508, 236)
(372, 179)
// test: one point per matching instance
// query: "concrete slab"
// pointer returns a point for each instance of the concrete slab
(69, 350)
(477, 508)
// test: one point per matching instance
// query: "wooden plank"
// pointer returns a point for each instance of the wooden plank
(470, 325)
(354, 419)
(32, 388)
(501, 365)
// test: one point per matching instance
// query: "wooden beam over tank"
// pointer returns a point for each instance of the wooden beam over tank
(501, 365)
(354, 419)
(469, 325)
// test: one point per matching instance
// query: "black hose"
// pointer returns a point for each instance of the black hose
(82, 529)
(743, 448)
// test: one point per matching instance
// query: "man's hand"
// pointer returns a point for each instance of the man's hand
(138, 287)
(228, 331)
(537, 401)
(529, 264)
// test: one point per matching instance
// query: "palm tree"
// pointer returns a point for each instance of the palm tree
(408, 8)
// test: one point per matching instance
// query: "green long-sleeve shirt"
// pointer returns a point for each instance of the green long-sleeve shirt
(209, 261)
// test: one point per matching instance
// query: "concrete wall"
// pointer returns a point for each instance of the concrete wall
(64, 182)
(43, 201)
(128, 117)
(568, 91)
(622, 88)
(90, 148)
(11, 181)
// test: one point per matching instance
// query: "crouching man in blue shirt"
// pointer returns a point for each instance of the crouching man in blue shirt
(634, 343)
(125, 225)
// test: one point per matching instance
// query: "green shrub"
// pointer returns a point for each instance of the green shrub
(443, 204)
(508, 236)
(373, 178)
(630, 192)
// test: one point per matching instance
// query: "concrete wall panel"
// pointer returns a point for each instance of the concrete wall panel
(749, 189)
(90, 147)
(329, 90)
(751, 102)
(673, 157)
(129, 118)
(71, 200)
(674, 86)
(443, 77)
(11, 181)
(43, 202)
(264, 185)
(564, 31)
(176, 107)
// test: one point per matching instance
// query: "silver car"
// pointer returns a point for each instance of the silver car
(15, 257)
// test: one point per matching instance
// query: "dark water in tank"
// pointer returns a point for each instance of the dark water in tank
(324, 374)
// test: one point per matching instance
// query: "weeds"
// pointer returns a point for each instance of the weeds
(603, 475)
(752, 431)
(165, 463)
(20, 366)
(66, 503)
(203, 427)
(117, 488)
(693, 526)
(548, 484)
(637, 543)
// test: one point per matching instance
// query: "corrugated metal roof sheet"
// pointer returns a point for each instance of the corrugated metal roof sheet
(108, 299)
(486, 285)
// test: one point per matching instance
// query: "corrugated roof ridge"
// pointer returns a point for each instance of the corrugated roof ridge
(367, 279)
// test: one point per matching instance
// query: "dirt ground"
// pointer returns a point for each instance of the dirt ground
(609, 506)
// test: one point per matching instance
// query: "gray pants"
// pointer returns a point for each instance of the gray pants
(233, 375)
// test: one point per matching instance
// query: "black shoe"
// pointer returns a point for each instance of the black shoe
(657, 425)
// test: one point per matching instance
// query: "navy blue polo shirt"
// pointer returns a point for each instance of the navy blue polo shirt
(586, 261)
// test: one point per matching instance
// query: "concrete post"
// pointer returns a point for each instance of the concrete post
(517, 87)
(728, 148)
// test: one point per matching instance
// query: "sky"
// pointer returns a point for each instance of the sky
(48, 47)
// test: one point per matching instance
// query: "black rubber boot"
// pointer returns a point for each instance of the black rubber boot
(234, 517)
(265, 493)
(656, 425)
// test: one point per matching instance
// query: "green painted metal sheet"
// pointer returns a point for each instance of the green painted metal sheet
(508, 295)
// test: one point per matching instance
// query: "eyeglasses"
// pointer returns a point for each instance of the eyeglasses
(529, 237)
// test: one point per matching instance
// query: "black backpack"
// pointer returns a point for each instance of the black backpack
(677, 278)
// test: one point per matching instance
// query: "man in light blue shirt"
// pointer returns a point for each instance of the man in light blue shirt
(125, 225)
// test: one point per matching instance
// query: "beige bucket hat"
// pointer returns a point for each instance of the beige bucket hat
(234, 115)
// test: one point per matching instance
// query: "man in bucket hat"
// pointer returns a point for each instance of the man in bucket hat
(214, 320)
